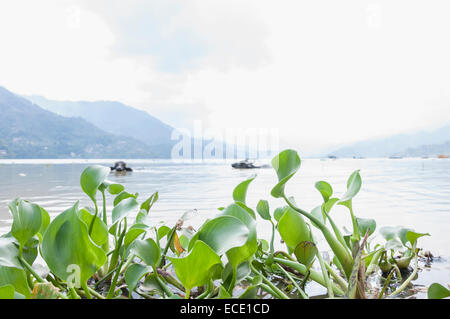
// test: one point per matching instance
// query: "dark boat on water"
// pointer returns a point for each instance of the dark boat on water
(247, 164)
(244, 164)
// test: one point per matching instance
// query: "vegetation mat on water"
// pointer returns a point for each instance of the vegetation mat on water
(88, 253)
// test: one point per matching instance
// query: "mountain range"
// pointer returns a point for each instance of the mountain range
(423, 143)
(29, 131)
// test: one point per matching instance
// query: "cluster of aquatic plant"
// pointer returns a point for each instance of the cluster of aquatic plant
(85, 252)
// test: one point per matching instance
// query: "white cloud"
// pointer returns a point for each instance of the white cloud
(324, 72)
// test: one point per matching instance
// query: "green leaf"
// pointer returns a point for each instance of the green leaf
(237, 255)
(123, 195)
(293, 229)
(364, 224)
(437, 291)
(353, 186)
(67, 244)
(45, 218)
(15, 277)
(115, 189)
(240, 192)
(27, 220)
(263, 209)
(163, 231)
(123, 209)
(412, 236)
(91, 179)
(223, 233)
(7, 292)
(286, 164)
(134, 273)
(9, 252)
(147, 250)
(99, 234)
(389, 232)
(147, 205)
(305, 252)
(325, 190)
(279, 212)
(194, 269)
(133, 233)
(329, 204)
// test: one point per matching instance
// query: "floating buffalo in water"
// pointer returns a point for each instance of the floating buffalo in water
(121, 167)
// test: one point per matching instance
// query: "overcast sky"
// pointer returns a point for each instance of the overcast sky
(323, 72)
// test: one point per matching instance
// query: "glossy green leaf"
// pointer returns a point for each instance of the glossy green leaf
(15, 277)
(115, 189)
(293, 229)
(223, 233)
(278, 212)
(123, 195)
(325, 190)
(9, 252)
(319, 214)
(389, 232)
(7, 292)
(353, 186)
(66, 244)
(91, 179)
(99, 234)
(393, 244)
(286, 164)
(163, 231)
(147, 250)
(134, 273)
(27, 220)
(124, 208)
(329, 204)
(240, 191)
(133, 232)
(437, 291)
(412, 236)
(45, 221)
(365, 224)
(305, 252)
(263, 209)
(149, 202)
(194, 269)
(237, 255)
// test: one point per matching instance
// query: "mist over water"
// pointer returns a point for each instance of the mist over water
(413, 193)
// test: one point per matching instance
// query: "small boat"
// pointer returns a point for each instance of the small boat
(245, 164)
(121, 167)
(443, 156)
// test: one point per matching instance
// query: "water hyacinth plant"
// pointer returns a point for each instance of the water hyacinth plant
(90, 253)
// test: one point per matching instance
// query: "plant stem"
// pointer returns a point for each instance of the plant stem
(277, 290)
(272, 239)
(300, 290)
(316, 276)
(340, 281)
(386, 283)
(410, 278)
(169, 240)
(339, 250)
(374, 262)
(91, 226)
(86, 290)
(36, 275)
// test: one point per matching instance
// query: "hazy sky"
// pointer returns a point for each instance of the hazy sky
(323, 72)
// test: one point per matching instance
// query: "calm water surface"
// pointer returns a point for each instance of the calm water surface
(408, 192)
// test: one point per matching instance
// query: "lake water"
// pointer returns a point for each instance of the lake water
(414, 193)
